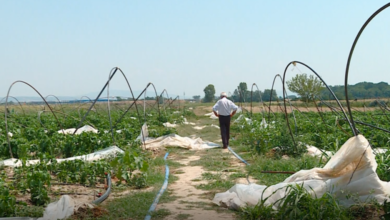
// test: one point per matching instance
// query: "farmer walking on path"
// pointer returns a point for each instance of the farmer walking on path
(224, 109)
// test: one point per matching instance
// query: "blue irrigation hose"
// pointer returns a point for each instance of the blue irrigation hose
(163, 188)
(234, 153)
(107, 193)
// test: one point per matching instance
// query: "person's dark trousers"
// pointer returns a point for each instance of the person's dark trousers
(224, 124)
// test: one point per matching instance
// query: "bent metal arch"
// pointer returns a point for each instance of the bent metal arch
(6, 105)
(270, 97)
(58, 100)
(349, 61)
(111, 75)
(261, 100)
(326, 85)
(285, 109)
(1, 101)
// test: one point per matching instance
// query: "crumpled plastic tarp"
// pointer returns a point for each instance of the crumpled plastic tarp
(186, 122)
(61, 209)
(211, 115)
(205, 126)
(169, 125)
(241, 118)
(85, 128)
(173, 140)
(351, 171)
(315, 152)
(106, 152)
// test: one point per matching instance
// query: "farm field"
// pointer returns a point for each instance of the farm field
(310, 145)
(195, 175)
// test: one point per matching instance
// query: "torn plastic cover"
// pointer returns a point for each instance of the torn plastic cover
(106, 152)
(173, 140)
(351, 171)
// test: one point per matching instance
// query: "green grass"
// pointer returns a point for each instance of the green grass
(132, 206)
(136, 204)
(213, 159)
(29, 211)
(263, 163)
(297, 204)
(160, 214)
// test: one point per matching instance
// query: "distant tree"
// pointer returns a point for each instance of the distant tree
(196, 97)
(267, 94)
(257, 96)
(150, 98)
(235, 96)
(118, 98)
(307, 87)
(292, 97)
(209, 92)
(241, 94)
(243, 87)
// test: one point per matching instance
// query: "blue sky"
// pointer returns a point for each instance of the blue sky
(67, 48)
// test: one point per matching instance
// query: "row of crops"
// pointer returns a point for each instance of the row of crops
(325, 130)
(37, 135)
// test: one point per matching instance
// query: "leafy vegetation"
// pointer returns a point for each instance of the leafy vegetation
(264, 145)
(38, 139)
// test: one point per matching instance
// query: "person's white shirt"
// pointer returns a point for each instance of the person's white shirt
(224, 107)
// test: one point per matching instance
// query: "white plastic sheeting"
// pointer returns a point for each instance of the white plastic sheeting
(211, 115)
(241, 118)
(205, 126)
(61, 209)
(199, 127)
(263, 123)
(351, 171)
(169, 125)
(106, 152)
(214, 126)
(85, 128)
(187, 123)
(380, 150)
(315, 152)
(173, 140)
(174, 125)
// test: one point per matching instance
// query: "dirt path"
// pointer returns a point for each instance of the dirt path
(192, 202)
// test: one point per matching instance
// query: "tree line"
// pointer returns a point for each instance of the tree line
(240, 94)
(310, 88)
(307, 88)
(362, 90)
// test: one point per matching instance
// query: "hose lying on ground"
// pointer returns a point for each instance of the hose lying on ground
(159, 194)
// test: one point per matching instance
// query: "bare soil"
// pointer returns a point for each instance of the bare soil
(191, 201)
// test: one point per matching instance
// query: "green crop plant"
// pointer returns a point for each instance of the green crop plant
(7, 201)
(383, 169)
(37, 182)
(125, 164)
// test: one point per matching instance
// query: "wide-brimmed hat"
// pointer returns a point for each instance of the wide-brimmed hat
(223, 94)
